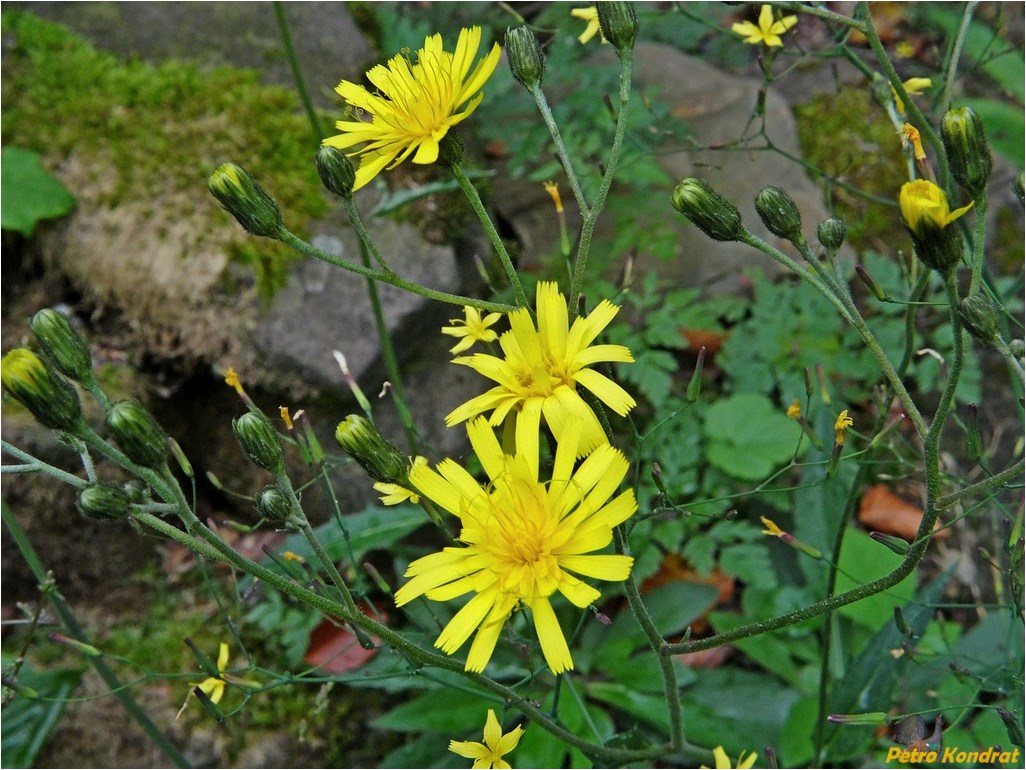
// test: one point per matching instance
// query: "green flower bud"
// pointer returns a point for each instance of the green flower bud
(779, 213)
(869, 718)
(966, 145)
(103, 501)
(526, 60)
(870, 282)
(695, 384)
(895, 544)
(336, 171)
(260, 442)
(138, 434)
(713, 214)
(67, 350)
(245, 200)
(1013, 726)
(831, 233)
(980, 319)
(451, 149)
(376, 454)
(52, 400)
(619, 24)
(274, 506)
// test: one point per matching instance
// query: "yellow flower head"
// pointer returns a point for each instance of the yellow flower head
(772, 530)
(553, 190)
(522, 538)
(795, 410)
(723, 761)
(911, 134)
(471, 328)
(393, 494)
(768, 31)
(414, 105)
(489, 754)
(913, 86)
(542, 367)
(231, 379)
(590, 15)
(840, 426)
(213, 686)
(924, 207)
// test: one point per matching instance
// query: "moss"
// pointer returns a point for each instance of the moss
(162, 128)
(849, 137)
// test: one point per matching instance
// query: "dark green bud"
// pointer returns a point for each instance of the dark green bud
(980, 319)
(138, 434)
(779, 213)
(67, 350)
(336, 170)
(695, 384)
(619, 23)
(274, 506)
(831, 233)
(103, 501)
(1013, 725)
(892, 543)
(377, 455)
(451, 149)
(260, 442)
(870, 282)
(966, 146)
(526, 60)
(710, 212)
(245, 200)
(52, 400)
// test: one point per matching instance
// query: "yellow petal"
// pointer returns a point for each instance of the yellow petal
(553, 643)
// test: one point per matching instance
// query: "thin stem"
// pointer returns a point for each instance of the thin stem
(493, 235)
(956, 53)
(979, 242)
(997, 480)
(356, 219)
(34, 465)
(297, 72)
(390, 278)
(564, 157)
(588, 226)
(70, 622)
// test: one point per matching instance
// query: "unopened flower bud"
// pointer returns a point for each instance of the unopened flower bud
(274, 506)
(870, 282)
(778, 213)
(1012, 725)
(103, 501)
(966, 145)
(377, 455)
(336, 171)
(980, 319)
(52, 400)
(259, 441)
(245, 200)
(138, 434)
(869, 718)
(895, 544)
(451, 149)
(619, 23)
(67, 350)
(695, 384)
(713, 214)
(831, 232)
(526, 60)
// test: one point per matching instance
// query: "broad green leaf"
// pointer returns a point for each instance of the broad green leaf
(862, 561)
(438, 711)
(375, 527)
(30, 194)
(748, 436)
(796, 746)
(27, 723)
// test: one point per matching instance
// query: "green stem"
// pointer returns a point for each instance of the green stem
(493, 235)
(979, 243)
(670, 687)
(564, 156)
(356, 219)
(390, 278)
(297, 72)
(34, 465)
(997, 480)
(588, 226)
(822, 13)
(75, 629)
(956, 54)
(910, 321)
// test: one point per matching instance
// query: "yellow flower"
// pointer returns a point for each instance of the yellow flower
(231, 379)
(911, 134)
(490, 753)
(795, 410)
(772, 530)
(553, 190)
(924, 206)
(913, 86)
(767, 32)
(523, 537)
(723, 761)
(590, 15)
(393, 494)
(541, 371)
(213, 686)
(840, 426)
(414, 105)
(472, 328)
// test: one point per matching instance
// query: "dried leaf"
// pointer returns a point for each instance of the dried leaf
(883, 511)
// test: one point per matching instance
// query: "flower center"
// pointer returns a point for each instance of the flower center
(521, 537)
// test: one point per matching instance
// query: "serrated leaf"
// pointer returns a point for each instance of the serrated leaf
(748, 437)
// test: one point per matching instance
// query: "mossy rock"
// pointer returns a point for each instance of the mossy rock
(135, 143)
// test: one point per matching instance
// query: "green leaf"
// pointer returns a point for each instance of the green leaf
(748, 436)
(29, 722)
(863, 560)
(796, 746)
(30, 193)
(998, 58)
(438, 711)
(375, 527)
